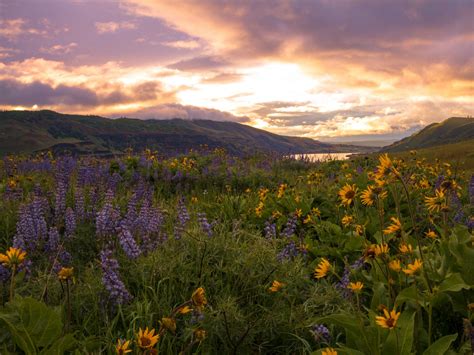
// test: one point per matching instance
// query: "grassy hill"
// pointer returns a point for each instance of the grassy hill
(32, 131)
(460, 155)
(452, 130)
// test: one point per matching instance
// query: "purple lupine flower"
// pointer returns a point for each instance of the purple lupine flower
(204, 223)
(290, 227)
(155, 220)
(107, 217)
(457, 204)
(131, 215)
(183, 218)
(289, 252)
(439, 181)
(60, 199)
(70, 222)
(79, 204)
(52, 244)
(470, 223)
(342, 284)
(116, 289)
(31, 227)
(321, 333)
(127, 242)
(270, 229)
(4, 274)
(359, 263)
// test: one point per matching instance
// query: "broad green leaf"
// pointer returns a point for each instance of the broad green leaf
(409, 294)
(453, 282)
(19, 334)
(440, 346)
(400, 340)
(60, 346)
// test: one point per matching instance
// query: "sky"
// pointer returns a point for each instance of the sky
(344, 70)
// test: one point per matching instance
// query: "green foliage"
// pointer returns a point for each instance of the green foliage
(35, 328)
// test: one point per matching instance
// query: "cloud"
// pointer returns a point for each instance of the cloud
(15, 93)
(59, 49)
(189, 44)
(37, 93)
(352, 40)
(200, 63)
(169, 111)
(13, 28)
(111, 27)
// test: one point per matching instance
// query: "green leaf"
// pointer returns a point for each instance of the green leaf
(453, 282)
(34, 326)
(18, 332)
(440, 346)
(358, 336)
(404, 333)
(60, 346)
(409, 294)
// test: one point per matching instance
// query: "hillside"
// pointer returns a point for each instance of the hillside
(32, 131)
(452, 130)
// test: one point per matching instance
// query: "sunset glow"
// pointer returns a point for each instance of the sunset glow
(319, 69)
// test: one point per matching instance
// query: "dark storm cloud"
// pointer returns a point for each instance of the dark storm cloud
(37, 93)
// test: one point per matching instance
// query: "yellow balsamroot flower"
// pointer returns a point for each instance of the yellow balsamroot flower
(381, 249)
(347, 220)
(194, 199)
(307, 219)
(329, 351)
(315, 211)
(248, 190)
(370, 195)
(322, 269)
(369, 252)
(276, 214)
(122, 347)
(395, 265)
(405, 248)
(437, 202)
(146, 339)
(281, 190)
(394, 227)
(262, 194)
(449, 184)
(413, 268)
(355, 286)
(431, 234)
(276, 286)
(199, 298)
(199, 334)
(169, 324)
(184, 310)
(259, 209)
(385, 167)
(13, 257)
(424, 184)
(298, 212)
(66, 273)
(347, 194)
(359, 229)
(388, 320)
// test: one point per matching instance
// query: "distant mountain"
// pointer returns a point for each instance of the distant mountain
(452, 130)
(32, 131)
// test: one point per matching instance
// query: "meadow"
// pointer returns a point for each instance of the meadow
(207, 253)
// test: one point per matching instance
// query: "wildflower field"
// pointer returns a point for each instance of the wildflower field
(207, 253)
